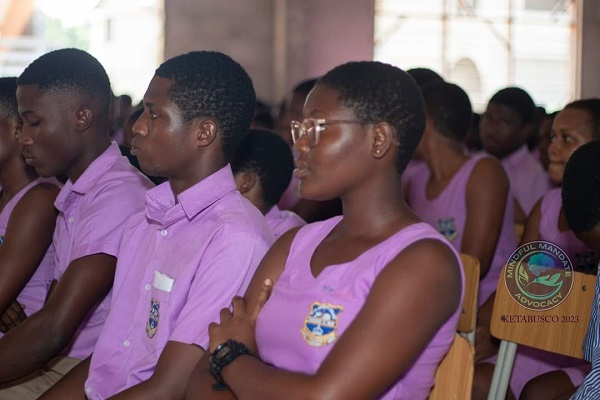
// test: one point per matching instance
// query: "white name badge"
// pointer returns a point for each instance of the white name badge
(163, 282)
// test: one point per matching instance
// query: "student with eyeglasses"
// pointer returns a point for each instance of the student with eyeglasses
(362, 305)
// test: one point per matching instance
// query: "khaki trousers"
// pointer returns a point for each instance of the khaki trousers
(34, 385)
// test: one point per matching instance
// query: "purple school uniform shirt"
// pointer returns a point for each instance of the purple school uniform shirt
(528, 181)
(188, 260)
(92, 211)
(281, 221)
(34, 293)
(448, 214)
(304, 315)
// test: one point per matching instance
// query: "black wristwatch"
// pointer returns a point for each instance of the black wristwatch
(223, 355)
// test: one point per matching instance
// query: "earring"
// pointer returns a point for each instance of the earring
(378, 151)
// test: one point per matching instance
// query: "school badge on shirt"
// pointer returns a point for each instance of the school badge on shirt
(152, 324)
(321, 323)
(447, 227)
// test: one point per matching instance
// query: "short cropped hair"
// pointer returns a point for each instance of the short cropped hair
(304, 87)
(581, 188)
(71, 72)
(592, 107)
(424, 76)
(211, 84)
(8, 98)
(519, 100)
(380, 92)
(269, 156)
(449, 108)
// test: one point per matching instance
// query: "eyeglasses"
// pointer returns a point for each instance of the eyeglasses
(312, 128)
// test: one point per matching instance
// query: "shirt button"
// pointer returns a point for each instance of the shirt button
(71, 219)
(126, 343)
(148, 286)
(163, 232)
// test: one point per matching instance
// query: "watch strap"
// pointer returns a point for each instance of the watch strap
(222, 356)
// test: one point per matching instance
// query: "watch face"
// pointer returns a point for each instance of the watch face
(223, 352)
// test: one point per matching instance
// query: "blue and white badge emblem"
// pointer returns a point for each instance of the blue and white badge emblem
(321, 324)
(447, 227)
(152, 324)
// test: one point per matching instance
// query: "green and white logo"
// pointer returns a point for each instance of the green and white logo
(539, 275)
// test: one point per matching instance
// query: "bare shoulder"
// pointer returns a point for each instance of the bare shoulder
(40, 194)
(429, 258)
(489, 168)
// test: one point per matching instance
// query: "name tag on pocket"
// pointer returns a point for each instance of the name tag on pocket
(163, 282)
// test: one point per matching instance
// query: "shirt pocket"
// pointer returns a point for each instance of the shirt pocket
(157, 325)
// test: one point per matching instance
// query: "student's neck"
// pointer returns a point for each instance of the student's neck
(93, 150)
(445, 158)
(191, 176)
(377, 210)
(14, 176)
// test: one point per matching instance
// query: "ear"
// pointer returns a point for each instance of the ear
(383, 139)
(17, 127)
(83, 118)
(245, 181)
(206, 131)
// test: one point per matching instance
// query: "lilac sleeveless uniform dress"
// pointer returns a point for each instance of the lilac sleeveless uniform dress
(302, 319)
(34, 293)
(448, 214)
(583, 258)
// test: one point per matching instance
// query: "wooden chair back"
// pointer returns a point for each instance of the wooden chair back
(468, 316)
(560, 329)
(454, 375)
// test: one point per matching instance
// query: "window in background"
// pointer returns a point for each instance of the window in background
(484, 45)
(125, 36)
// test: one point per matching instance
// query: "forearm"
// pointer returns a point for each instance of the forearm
(71, 386)
(30, 346)
(249, 378)
(146, 390)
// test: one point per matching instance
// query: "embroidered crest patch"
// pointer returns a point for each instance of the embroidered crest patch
(153, 317)
(321, 324)
(447, 227)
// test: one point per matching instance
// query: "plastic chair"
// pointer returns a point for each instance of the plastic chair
(563, 334)
(454, 375)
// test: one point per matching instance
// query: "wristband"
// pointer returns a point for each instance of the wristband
(224, 355)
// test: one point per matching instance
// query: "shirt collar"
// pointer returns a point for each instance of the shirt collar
(89, 178)
(272, 212)
(161, 206)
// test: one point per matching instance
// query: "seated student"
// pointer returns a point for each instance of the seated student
(197, 244)
(577, 124)
(262, 168)
(345, 316)
(504, 127)
(580, 194)
(465, 197)
(423, 77)
(63, 99)
(27, 219)
(308, 210)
